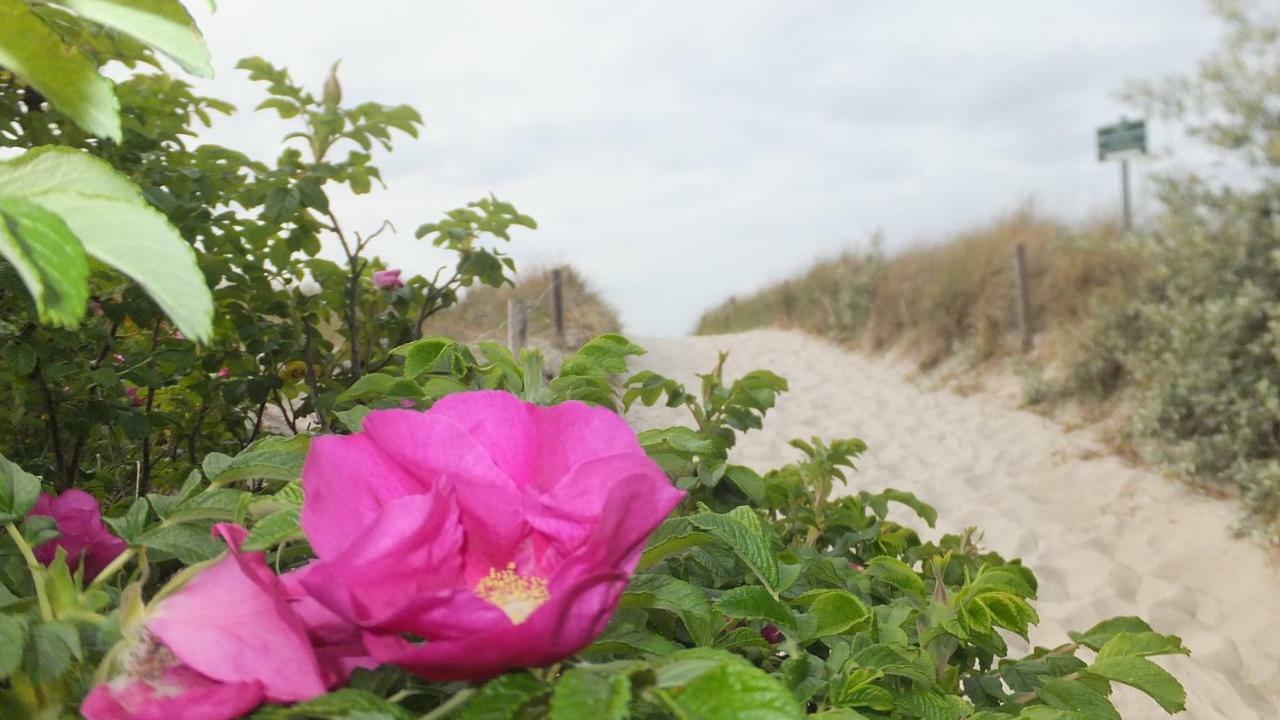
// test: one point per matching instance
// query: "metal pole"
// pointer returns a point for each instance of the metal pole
(1124, 187)
(557, 304)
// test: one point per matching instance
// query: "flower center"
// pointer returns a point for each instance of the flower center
(514, 594)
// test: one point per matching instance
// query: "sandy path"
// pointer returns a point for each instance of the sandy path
(1104, 538)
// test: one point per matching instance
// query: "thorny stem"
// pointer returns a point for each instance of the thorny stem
(33, 565)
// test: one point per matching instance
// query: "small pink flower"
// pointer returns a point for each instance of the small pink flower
(499, 532)
(118, 358)
(387, 279)
(81, 532)
(135, 399)
(771, 634)
(221, 645)
(224, 372)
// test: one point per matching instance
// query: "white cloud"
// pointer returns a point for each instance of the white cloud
(680, 152)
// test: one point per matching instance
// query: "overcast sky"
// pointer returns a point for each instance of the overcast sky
(680, 152)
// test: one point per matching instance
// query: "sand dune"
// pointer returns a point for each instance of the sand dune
(1104, 537)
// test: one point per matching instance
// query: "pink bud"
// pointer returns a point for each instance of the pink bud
(387, 279)
(224, 372)
(131, 392)
(177, 335)
(856, 567)
(407, 403)
(118, 358)
(771, 634)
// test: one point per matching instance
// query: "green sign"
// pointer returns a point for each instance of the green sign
(1124, 135)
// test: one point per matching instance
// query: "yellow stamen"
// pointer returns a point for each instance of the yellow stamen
(515, 595)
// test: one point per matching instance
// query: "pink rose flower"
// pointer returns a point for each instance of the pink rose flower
(500, 533)
(221, 645)
(81, 532)
(387, 279)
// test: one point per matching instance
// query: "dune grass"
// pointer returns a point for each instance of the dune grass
(940, 299)
(482, 312)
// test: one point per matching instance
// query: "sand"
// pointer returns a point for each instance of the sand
(1104, 537)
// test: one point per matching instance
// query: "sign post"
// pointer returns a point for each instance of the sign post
(1124, 138)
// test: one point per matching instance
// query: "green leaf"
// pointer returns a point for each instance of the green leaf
(743, 532)
(752, 602)
(689, 603)
(48, 258)
(1141, 673)
(1076, 696)
(835, 612)
(503, 697)
(13, 638)
(19, 491)
(113, 222)
(50, 649)
(583, 693)
(269, 458)
(896, 573)
(1142, 644)
(66, 76)
(674, 536)
(716, 685)
(164, 25)
(344, 704)
(1098, 635)
(189, 543)
(274, 529)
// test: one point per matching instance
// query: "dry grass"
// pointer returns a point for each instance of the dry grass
(956, 296)
(482, 313)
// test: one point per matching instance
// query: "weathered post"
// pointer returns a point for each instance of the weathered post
(517, 324)
(1124, 190)
(1023, 293)
(557, 304)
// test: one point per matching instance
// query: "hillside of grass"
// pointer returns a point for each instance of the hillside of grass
(955, 296)
(482, 312)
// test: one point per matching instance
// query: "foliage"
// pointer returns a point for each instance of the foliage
(127, 402)
(769, 597)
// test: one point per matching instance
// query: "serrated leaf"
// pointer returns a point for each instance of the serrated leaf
(113, 222)
(584, 694)
(689, 603)
(270, 458)
(1098, 635)
(48, 258)
(1142, 644)
(19, 491)
(1141, 673)
(724, 686)
(13, 637)
(1076, 696)
(274, 529)
(835, 612)
(344, 704)
(164, 25)
(896, 573)
(69, 78)
(189, 543)
(752, 602)
(743, 532)
(51, 647)
(503, 697)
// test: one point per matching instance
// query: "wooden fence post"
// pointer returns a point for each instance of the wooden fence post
(517, 324)
(557, 304)
(1023, 290)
